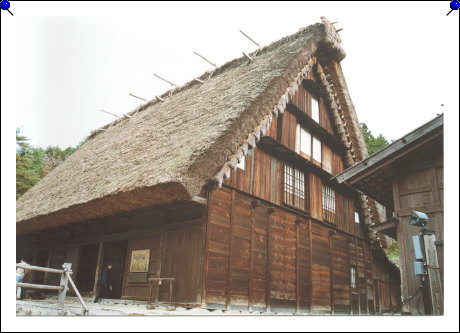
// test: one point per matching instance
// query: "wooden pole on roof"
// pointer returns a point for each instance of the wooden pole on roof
(113, 114)
(137, 97)
(252, 40)
(205, 59)
(173, 84)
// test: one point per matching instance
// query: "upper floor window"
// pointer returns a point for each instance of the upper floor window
(241, 163)
(316, 147)
(328, 204)
(315, 109)
(294, 187)
(308, 145)
(356, 217)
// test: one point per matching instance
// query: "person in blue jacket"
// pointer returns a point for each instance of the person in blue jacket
(104, 287)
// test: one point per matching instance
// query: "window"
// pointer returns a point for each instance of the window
(316, 149)
(305, 142)
(308, 144)
(315, 109)
(356, 217)
(328, 204)
(353, 276)
(294, 187)
(242, 163)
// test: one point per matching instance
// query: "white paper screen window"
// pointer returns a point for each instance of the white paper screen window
(316, 149)
(315, 109)
(356, 217)
(305, 142)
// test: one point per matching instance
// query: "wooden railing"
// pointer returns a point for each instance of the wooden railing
(63, 287)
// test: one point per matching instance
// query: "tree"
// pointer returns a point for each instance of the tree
(27, 173)
(373, 144)
(34, 163)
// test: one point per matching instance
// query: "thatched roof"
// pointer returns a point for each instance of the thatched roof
(167, 150)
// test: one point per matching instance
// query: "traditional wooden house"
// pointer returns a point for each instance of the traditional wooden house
(225, 186)
(405, 176)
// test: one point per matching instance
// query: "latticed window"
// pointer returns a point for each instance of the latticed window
(353, 276)
(328, 204)
(294, 187)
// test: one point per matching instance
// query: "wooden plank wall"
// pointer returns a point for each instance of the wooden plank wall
(420, 187)
(175, 251)
(265, 258)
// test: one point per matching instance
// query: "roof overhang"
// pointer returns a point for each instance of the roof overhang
(373, 176)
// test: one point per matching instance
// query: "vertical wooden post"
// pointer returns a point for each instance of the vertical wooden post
(229, 273)
(434, 277)
(206, 248)
(64, 285)
(254, 204)
(310, 259)
(268, 289)
(297, 265)
(331, 271)
(99, 265)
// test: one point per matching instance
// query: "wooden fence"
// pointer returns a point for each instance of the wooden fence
(63, 285)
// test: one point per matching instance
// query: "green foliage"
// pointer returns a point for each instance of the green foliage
(373, 144)
(393, 252)
(26, 171)
(34, 163)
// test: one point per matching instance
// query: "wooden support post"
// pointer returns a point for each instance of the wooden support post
(254, 205)
(297, 268)
(268, 289)
(64, 285)
(99, 265)
(434, 276)
(331, 270)
(230, 256)
(310, 266)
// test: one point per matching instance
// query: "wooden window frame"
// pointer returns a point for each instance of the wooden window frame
(329, 203)
(298, 145)
(294, 187)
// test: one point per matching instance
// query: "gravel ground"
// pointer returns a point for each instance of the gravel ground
(72, 307)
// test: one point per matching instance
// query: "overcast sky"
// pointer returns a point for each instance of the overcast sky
(63, 69)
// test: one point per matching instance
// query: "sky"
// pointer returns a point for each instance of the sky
(62, 70)
(62, 62)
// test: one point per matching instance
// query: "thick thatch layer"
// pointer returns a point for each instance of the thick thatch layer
(195, 135)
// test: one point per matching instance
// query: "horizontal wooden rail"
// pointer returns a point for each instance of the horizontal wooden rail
(38, 286)
(41, 269)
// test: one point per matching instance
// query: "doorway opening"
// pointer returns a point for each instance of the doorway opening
(87, 265)
(115, 255)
